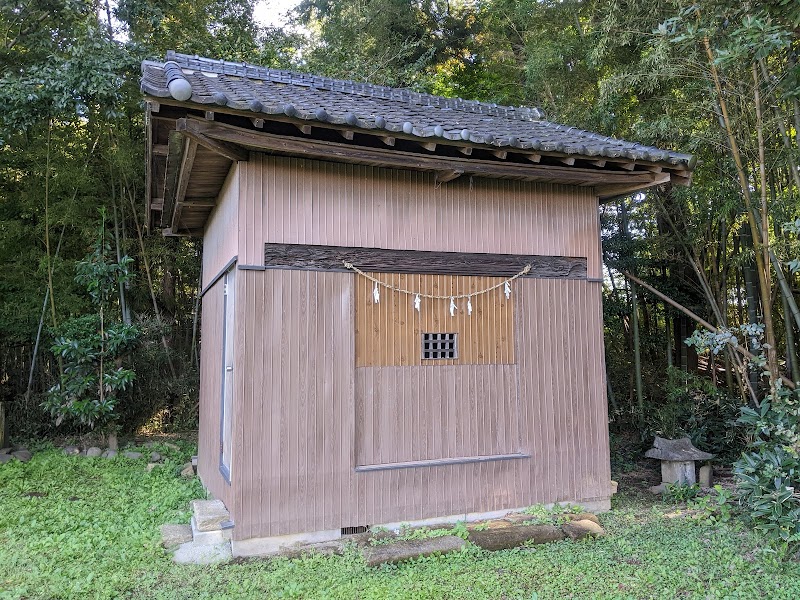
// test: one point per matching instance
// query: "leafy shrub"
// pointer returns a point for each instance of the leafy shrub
(766, 481)
(769, 474)
(697, 409)
(91, 348)
(81, 346)
(680, 492)
(716, 507)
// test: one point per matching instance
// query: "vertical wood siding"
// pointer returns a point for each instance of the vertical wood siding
(296, 435)
(423, 413)
(299, 201)
(220, 239)
(390, 332)
(211, 394)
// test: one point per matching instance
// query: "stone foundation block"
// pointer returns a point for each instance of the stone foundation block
(191, 553)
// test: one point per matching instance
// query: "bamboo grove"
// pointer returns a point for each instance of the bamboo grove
(719, 79)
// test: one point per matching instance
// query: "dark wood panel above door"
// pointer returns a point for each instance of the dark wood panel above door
(382, 260)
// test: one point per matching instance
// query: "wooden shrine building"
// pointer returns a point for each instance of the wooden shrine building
(401, 295)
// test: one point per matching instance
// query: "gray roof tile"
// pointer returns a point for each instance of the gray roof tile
(365, 106)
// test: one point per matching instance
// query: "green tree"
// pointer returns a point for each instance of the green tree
(93, 347)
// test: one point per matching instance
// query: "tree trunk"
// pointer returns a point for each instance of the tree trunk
(637, 354)
(123, 304)
(4, 439)
(750, 288)
(792, 367)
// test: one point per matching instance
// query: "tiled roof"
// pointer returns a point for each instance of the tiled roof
(244, 87)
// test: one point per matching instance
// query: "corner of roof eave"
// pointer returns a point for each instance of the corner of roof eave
(612, 192)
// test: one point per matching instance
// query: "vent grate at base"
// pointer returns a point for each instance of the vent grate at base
(355, 530)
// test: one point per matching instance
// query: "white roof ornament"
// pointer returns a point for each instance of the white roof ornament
(178, 86)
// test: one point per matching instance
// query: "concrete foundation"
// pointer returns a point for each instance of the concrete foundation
(266, 546)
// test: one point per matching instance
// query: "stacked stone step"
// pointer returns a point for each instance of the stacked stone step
(206, 539)
(211, 522)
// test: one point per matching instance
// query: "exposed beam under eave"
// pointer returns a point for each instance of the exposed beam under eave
(611, 191)
(445, 176)
(324, 150)
(177, 145)
(199, 203)
(229, 151)
(171, 232)
(189, 153)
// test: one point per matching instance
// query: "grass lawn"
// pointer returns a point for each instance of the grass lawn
(75, 527)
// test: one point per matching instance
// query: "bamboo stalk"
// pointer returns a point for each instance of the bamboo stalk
(194, 358)
(637, 355)
(785, 288)
(762, 260)
(123, 304)
(47, 292)
(781, 128)
(47, 223)
(41, 325)
(150, 283)
(708, 292)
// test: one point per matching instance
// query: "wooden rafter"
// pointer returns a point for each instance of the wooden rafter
(445, 176)
(229, 151)
(189, 153)
(408, 160)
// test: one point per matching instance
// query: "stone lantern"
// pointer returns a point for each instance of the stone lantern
(677, 461)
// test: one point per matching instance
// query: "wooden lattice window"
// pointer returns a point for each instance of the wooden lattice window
(439, 345)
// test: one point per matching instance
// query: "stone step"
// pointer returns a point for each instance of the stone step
(209, 515)
(192, 553)
(173, 535)
(205, 538)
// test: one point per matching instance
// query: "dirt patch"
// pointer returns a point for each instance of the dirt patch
(644, 474)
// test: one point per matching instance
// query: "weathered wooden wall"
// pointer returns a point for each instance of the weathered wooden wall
(219, 248)
(297, 437)
(296, 431)
(211, 394)
(315, 202)
(221, 236)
